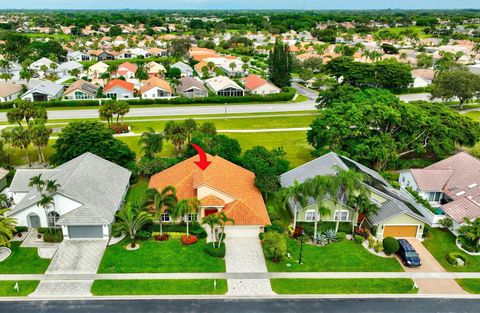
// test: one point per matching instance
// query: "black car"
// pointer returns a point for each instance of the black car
(408, 255)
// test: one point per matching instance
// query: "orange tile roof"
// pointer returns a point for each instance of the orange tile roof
(212, 200)
(199, 66)
(126, 67)
(238, 183)
(153, 82)
(119, 83)
(203, 56)
(252, 82)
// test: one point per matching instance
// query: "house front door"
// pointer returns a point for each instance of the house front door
(34, 221)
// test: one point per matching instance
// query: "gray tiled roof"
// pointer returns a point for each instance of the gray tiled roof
(95, 183)
(189, 82)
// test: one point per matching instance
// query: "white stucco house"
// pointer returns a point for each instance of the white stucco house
(91, 190)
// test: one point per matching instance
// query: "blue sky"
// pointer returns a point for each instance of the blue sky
(238, 4)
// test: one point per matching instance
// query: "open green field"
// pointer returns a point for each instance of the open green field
(26, 287)
(343, 286)
(23, 261)
(159, 287)
(398, 30)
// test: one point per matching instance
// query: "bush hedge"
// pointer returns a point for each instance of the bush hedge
(55, 236)
(144, 235)
(189, 240)
(390, 245)
(344, 227)
(20, 229)
(453, 256)
(358, 239)
(217, 252)
(341, 235)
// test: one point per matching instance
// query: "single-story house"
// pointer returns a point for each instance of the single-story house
(422, 77)
(451, 185)
(97, 69)
(127, 70)
(119, 89)
(65, 69)
(9, 91)
(91, 190)
(37, 65)
(394, 217)
(104, 55)
(81, 90)
(191, 87)
(224, 86)
(42, 90)
(259, 86)
(77, 56)
(238, 197)
(155, 69)
(184, 69)
(155, 87)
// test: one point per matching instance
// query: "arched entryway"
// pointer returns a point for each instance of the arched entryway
(52, 218)
(33, 220)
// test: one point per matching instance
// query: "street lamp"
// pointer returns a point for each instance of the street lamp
(301, 247)
(225, 110)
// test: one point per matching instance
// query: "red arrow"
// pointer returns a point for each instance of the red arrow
(203, 163)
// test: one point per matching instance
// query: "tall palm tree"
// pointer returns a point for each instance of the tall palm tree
(37, 182)
(319, 188)
(7, 227)
(297, 194)
(151, 142)
(211, 220)
(46, 201)
(185, 207)
(159, 201)
(361, 204)
(132, 219)
(223, 220)
(40, 134)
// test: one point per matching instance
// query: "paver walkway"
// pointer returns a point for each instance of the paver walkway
(74, 257)
(245, 255)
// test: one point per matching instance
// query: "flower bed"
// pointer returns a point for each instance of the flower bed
(189, 240)
(162, 237)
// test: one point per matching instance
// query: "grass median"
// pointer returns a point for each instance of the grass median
(25, 287)
(471, 285)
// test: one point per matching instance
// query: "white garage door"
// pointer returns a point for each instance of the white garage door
(242, 231)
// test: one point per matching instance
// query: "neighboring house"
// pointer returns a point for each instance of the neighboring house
(77, 56)
(199, 68)
(224, 86)
(97, 69)
(231, 66)
(184, 69)
(452, 185)
(191, 87)
(37, 65)
(81, 90)
(155, 69)
(422, 77)
(119, 89)
(9, 91)
(394, 217)
(91, 191)
(221, 187)
(127, 70)
(104, 56)
(155, 87)
(259, 86)
(42, 90)
(65, 69)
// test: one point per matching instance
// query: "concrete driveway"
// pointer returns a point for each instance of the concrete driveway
(431, 265)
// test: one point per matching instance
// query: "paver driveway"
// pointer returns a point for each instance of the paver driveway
(245, 255)
(72, 257)
(431, 265)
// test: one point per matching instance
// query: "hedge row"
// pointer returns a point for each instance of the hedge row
(286, 95)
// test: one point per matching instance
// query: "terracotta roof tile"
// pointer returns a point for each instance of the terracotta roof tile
(212, 200)
(153, 82)
(119, 83)
(252, 82)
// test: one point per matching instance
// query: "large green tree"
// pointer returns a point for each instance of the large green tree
(459, 84)
(280, 65)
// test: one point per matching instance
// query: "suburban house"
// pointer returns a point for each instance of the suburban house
(259, 86)
(127, 70)
(104, 56)
(451, 185)
(9, 91)
(224, 86)
(119, 89)
(42, 90)
(39, 64)
(81, 90)
(231, 66)
(237, 197)
(155, 87)
(155, 69)
(97, 69)
(77, 56)
(191, 87)
(422, 77)
(395, 217)
(65, 69)
(184, 69)
(85, 202)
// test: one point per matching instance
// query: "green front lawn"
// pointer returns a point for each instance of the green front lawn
(343, 286)
(442, 242)
(159, 287)
(160, 257)
(26, 287)
(471, 285)
(343, 256)
(23, 261)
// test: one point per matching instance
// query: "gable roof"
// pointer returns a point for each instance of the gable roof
(45, 87)
(221, 82)
(83, 86)
(96, 184)
(155, 82)
(119, 83)
(126, 67)
(187, 83)
(253, 82)
(7, 89)
(247, 208)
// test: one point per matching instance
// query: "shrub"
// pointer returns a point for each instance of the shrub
(446, 222)
(426, 231)
(371, 242)
(341, 236)
(20, 229)
(54, 236)
(119, 128)
(390, 245)
(364, 232)
(162, 237)
(275, 227)
(378, 247)
(260, 235)
(298, 232)
(275, 246)
(144, 235)
(217, 252)
(452, 258)
(358, 239)
(199, 232)
(331, 235)
(189, 240)
(116, 230)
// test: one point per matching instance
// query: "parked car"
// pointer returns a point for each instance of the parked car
(408, 254)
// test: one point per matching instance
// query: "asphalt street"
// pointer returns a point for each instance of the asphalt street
(250, 306)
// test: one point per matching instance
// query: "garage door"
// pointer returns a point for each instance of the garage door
(242, 231)
(81, 232)
(400, 231)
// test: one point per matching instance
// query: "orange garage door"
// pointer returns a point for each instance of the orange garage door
(400, 231)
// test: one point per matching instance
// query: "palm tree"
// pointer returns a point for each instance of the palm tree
(37, 182)
(7, 227)
(211, 220)
(40, 134)
(223, 220)
(46, 201)
(319, 188)
(132, 219)
(26, 74)
(361, 204)
(184, 208)
(51, 186)
(161, 200)
(151, 142)
(297, 194)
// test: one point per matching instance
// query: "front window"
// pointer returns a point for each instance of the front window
(190, 217)
(434, 196)
(341, 215)
(52, 218)
(166, 217)
(310, 215)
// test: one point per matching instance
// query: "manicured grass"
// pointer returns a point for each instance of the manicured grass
(23, 261)
(416, 29)
(471, 285)
(442, 242)
(26, 287)
(159, 287)
(475, 115)
(343, 256)
(343, 286)
(137, 191)
(160, 257)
